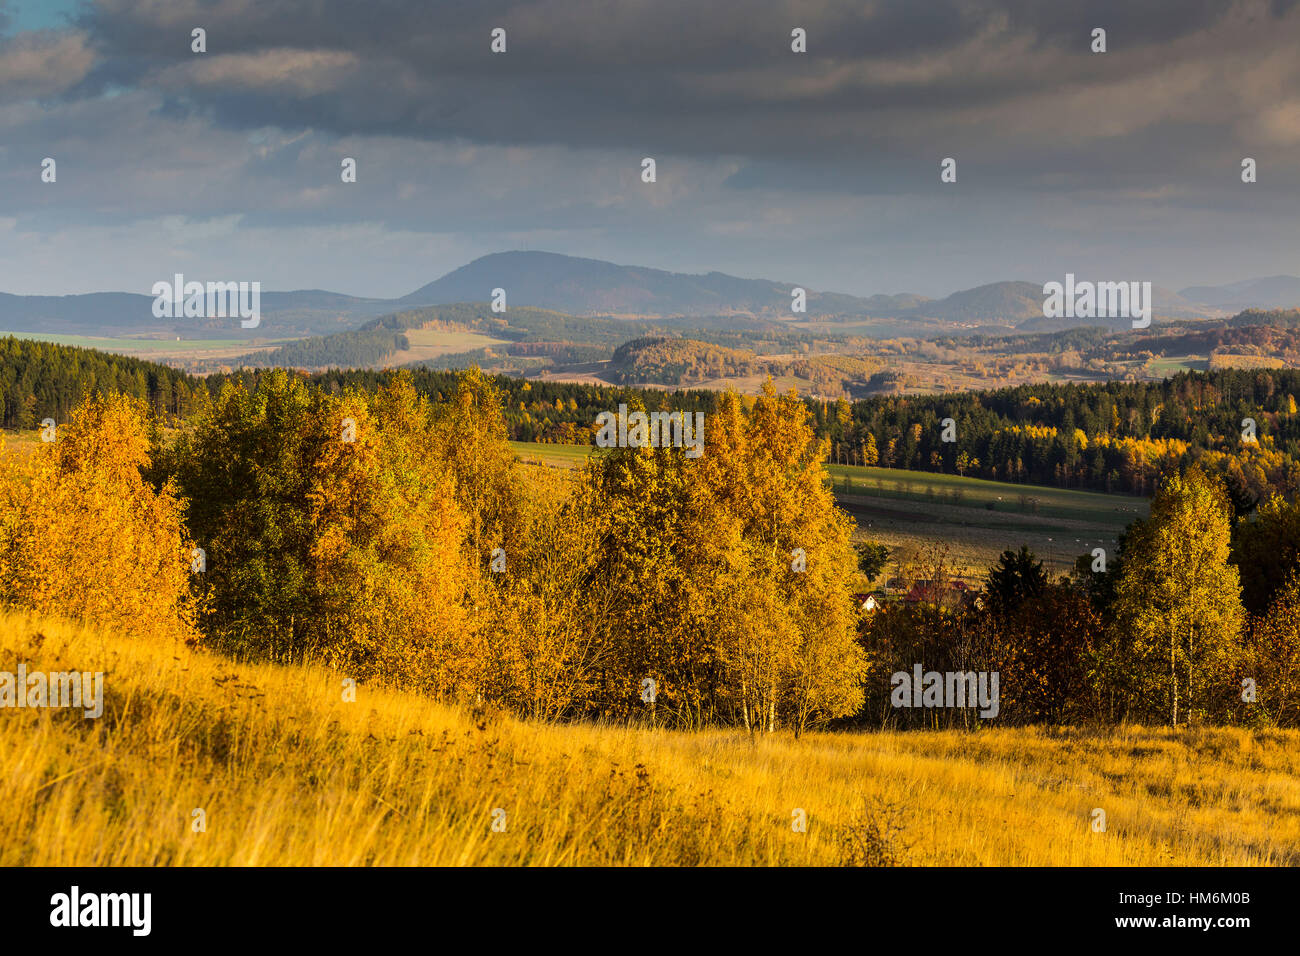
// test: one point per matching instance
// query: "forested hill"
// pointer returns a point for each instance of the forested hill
(40, 380)
(1117, 436)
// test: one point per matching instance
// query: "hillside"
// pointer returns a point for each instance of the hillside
(673, 361)
(1006, 301)
(1273, 292)
(525, 340)
(414, 783)
(548, 280)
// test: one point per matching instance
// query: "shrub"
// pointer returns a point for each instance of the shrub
(83, 536)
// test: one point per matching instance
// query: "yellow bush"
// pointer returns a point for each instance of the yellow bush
(83, 536)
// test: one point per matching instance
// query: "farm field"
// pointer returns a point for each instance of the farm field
(1228, 360)
(287, 773)
(159, 349)
(978, 519)
(560, 456)
(434, 343)
(1169, 365)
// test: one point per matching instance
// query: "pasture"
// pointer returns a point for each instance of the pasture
(280, 769)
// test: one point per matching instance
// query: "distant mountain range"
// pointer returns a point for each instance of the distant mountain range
(1275, 292)
(593, 287)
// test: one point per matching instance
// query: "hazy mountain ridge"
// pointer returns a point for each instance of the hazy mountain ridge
(1272, 292)
(592, 287)
(548, 280)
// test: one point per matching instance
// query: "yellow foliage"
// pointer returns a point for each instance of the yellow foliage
(83, 536)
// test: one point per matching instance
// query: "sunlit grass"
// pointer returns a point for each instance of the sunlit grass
(290, 774)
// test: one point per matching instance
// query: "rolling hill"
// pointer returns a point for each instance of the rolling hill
(548, 280)
(1273, 292)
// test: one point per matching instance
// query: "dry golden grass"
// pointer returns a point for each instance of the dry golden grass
(289, 774)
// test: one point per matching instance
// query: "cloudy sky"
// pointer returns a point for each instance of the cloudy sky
(819, 168)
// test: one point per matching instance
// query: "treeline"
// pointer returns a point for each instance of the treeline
(1114, 437)
(665, 360)
(40, 380)
(1250, 340)
(1117, 436)
(1278, 318)
(357, 348)
(532, 410)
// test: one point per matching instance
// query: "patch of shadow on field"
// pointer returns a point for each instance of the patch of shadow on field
(858, 506)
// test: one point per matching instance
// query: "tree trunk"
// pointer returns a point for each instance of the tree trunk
(1173, 681)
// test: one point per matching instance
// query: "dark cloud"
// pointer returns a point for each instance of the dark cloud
(760, 149)
(885, 80)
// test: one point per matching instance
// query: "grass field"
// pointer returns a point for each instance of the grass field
(1228, 360)
(287, 773)
(561, 456)
(978, 519)
(158, 349)
(910, 510)
(434, 343)
(1170, 365)
(19, 442)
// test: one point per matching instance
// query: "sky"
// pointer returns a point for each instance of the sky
(819, 168)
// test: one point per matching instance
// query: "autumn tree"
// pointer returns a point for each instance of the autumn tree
(1271, 664)
(83, 536)
(1178, 604)
(767, 468)
(542, 628)
(1042, 647)
(667, 571)
(870, 453)
(331, 529)
(732, 573)
(471, 439)
(873, 558)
